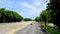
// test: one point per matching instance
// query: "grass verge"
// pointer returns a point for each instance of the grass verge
(50, 29)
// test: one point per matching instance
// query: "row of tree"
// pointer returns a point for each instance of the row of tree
(51, 14)
(9, 16)
(27, 19)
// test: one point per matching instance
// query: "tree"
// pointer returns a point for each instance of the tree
(37, 19)
(2, 10)
(54, 6)
(44, 17)
(9, 16)
(27, 19)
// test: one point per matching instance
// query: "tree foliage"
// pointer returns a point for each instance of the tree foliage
(37, 19)
(27, 19)
(54, 6)
(9, 16)
(52, 13)
(44, 16)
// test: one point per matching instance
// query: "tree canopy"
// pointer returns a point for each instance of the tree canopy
(27, 19)
(45, 15)
(54, 6)
(9, 16)
(52, 13)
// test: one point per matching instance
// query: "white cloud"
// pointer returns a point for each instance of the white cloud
(37, 3)
(25, 4)
(33, 10)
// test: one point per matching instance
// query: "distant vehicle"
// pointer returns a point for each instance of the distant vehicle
(42, 28)
(31, 24)
(34, 23)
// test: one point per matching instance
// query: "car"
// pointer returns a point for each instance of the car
(31, 24)
(34, 23)
(42, 28)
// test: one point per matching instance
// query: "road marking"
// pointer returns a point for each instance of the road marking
(13, 31)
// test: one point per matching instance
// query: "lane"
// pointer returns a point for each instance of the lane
(39, 31)
(31, 29)
(24, 30)
(10, 28)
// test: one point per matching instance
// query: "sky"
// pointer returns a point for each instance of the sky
(26, 8)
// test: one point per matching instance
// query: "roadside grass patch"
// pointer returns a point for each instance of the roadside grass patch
(50, 29)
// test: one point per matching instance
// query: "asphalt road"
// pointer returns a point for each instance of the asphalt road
(11, 28)
(31, 29)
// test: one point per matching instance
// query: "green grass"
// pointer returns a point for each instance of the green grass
(51, 29)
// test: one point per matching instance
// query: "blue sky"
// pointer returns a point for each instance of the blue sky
(26, 8)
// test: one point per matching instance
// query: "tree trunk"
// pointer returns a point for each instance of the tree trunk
(3, 19)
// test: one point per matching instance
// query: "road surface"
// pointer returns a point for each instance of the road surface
(10, 28)
(31, 29)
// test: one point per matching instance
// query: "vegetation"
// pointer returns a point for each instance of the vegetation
(37, 19)
(54, 6)
(9, 16)
(27, 19)
(52, 30)
(51, 14)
